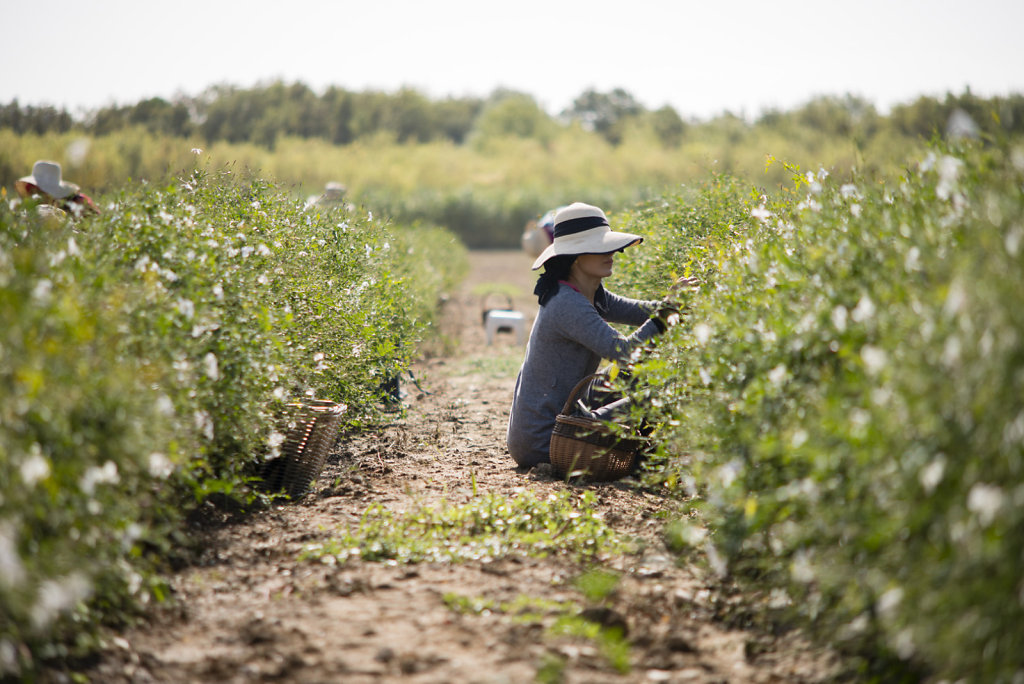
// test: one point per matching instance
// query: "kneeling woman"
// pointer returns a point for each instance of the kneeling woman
(571, 334)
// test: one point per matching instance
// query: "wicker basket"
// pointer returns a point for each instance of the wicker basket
(313, 429)
(586, 446)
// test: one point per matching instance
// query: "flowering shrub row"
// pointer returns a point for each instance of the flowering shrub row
(145, 358)
(846, 397)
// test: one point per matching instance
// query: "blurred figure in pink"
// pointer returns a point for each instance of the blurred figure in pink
(539, 234)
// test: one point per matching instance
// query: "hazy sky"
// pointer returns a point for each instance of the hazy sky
(702, 58)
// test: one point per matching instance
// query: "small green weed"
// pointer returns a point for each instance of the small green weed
(488, 527)
(468, 605)
(597, 584)
(564, 618)
(551, 670)
(610, 640)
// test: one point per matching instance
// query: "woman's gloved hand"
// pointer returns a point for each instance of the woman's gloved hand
(666, 316)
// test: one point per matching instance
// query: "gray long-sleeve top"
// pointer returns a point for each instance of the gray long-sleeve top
(568, 341)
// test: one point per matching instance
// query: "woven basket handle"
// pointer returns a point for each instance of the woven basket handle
(574, 394)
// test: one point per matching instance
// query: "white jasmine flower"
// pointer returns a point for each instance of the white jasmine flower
(912, 262)
(864, 310)
(801, 568)
(985, 500)
(874, 358)
(951, 351)
(58, 596)
(186, 307)
(779, 598)
(164, 405)
(58, 258)
(211, 367)
(715, 559)
(729, 472)
(159, 465)
(1014, 238)
(36, 467)
(904, 644)
(702, 331)
(204, 423)
(12, 572)
(107, 474)
(275, 441)
(849, 191)
(131, 534)
(948, 169)
(41, 292)
(889, 601)
(839, 318)
(956, 298)
(931, 474)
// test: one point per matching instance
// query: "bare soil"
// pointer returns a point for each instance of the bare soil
(249, 610)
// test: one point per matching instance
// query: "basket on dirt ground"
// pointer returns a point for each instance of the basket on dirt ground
(587, 446)
(313, 429)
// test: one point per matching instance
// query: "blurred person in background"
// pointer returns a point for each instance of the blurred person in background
(47, 187)
(537, 235)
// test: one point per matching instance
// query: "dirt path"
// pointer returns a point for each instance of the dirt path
(251, 611)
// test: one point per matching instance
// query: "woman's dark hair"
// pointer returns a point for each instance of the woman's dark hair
(556, 268)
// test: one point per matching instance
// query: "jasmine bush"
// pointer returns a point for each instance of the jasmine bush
(145, 358)
(846, 397)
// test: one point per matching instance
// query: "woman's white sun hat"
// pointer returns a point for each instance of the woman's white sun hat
(46, 177)
(583, 229)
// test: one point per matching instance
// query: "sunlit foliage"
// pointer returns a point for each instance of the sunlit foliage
(846, 398)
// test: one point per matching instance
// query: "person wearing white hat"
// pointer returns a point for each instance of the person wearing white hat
(571, 334)
(46, 184)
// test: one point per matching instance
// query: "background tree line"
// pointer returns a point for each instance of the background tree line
(262, 114)
(480, 167)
